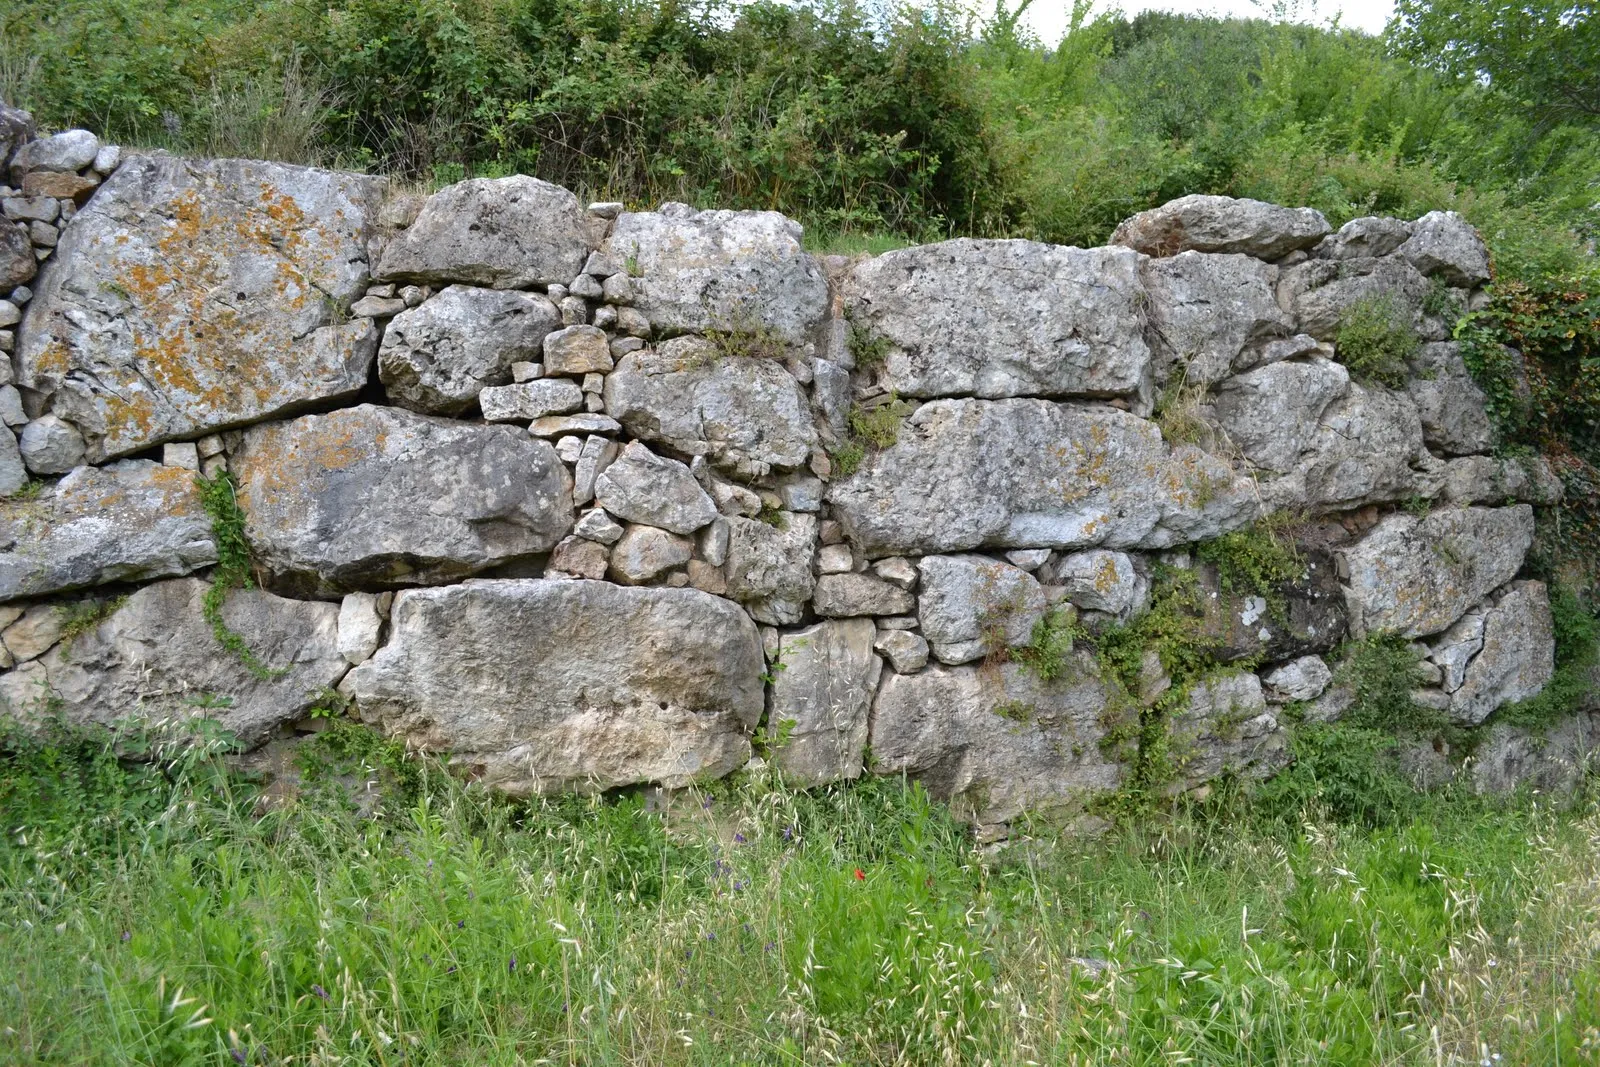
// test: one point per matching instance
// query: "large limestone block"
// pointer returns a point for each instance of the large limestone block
(1445, 245)
(1226, 728)
(737, 411)
(380, 497)
(768, 566)
(1517, 657)
(126, 522)
(1364, 238)
(1005, 318)
(1206, 310)
(1222, 224)
(1417, 576)
(1453, 409)
(1551, 760)
(736, 271)
(1271, 414)
(437, 357)
(1029, 473)
(1367, 448)
(157, 657)
(192, 295)
(536, 686)
(821, 698)
(997, 743)
(506, 233)
(972, 606)
(1321, 291)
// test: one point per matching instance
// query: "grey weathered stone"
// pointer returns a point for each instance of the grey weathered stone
(997, 743)
(69, 150)
(1417, 576)
(193, 295)
(1366, 449)
(1025, 473)
(840, 596)
(361, 618)
(13, 473)
(527, 401)
(129, 521)
(835, 559)
(435, 358)
(1552, 760)
(586, 287)
(157, 657)
(51, 446)
(1445, 245)
(577, 350)
(1449, 403)
(1495, 479)
(1004, 318)
(1295, 347)
(1271, 413)
(640, 486)
(508, 233)
(738, 412)
(561, 425)
(17, 264)
(182, 454)
(594, 457)
(580, 557)
(1517, 657)
(108, 159)
(1365, 238)
(16, 130)
(1206, 310)
(377, 307)
(1305, 678)
(32, 635)
(596, 525)
(973, 606)
(1222, 224)
(371, 497)
(1226, 728)
(1029, 559)
(739, 271)
(645, 553)
(769, 566)
(609, 686)
(821, 698)
(1453, 649)
(906, 651)
(1099, 580)
(1321, 292)
(713, 543)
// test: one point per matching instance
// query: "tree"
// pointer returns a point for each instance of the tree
(1543, 54)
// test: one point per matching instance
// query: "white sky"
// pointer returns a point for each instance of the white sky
(1049, 18)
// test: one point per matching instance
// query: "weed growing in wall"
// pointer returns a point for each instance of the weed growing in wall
(871, 429)
(1255, 561)
(868, 347)
(1381, 670)
(1375, 341)
(220, 498)
(78, 619)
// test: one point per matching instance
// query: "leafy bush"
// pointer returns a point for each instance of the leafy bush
(1381, 670)
(1375, 341)
(1256, 560)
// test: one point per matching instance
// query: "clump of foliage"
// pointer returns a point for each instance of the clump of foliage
(220, 498)
(1381, 671)
(1256, 560)
(1049, 645)
(871, 429)
(868, 347)
(1344, 771)
(79, 618)
(1375, 341)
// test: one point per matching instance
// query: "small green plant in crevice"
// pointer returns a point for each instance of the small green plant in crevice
(868, 347)
(1045, 656)
(1255, 561)
(1375, 341)
(847, 458)
(871, 429)
(768, 741)
(1440, 303)
(1382, 671)
(1016, 710)
(29, 490)
(219, 496)
(78, 619)
(1417, 505)
(347, 748)
(773, 516)
(741, 334)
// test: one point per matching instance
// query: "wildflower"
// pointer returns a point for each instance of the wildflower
(769, 946)
(319, 991)
(460, 923)
(788, 834)
(738, 839)
(238, 1055)
(513, 963)
(860, 877)
(126, 937)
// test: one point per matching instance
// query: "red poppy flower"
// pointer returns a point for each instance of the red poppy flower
(859, 876)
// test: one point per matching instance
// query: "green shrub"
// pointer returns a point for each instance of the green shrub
(1257, 560)
(1375, 341)
(1381, 670)
(1341, 771)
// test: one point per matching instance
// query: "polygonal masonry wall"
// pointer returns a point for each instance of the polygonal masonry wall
(592, 497)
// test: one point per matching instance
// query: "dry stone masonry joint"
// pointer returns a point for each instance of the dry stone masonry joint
(587, 497)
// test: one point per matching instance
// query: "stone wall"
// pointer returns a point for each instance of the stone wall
(588, 497)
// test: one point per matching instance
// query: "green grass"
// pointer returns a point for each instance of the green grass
(153, 917)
